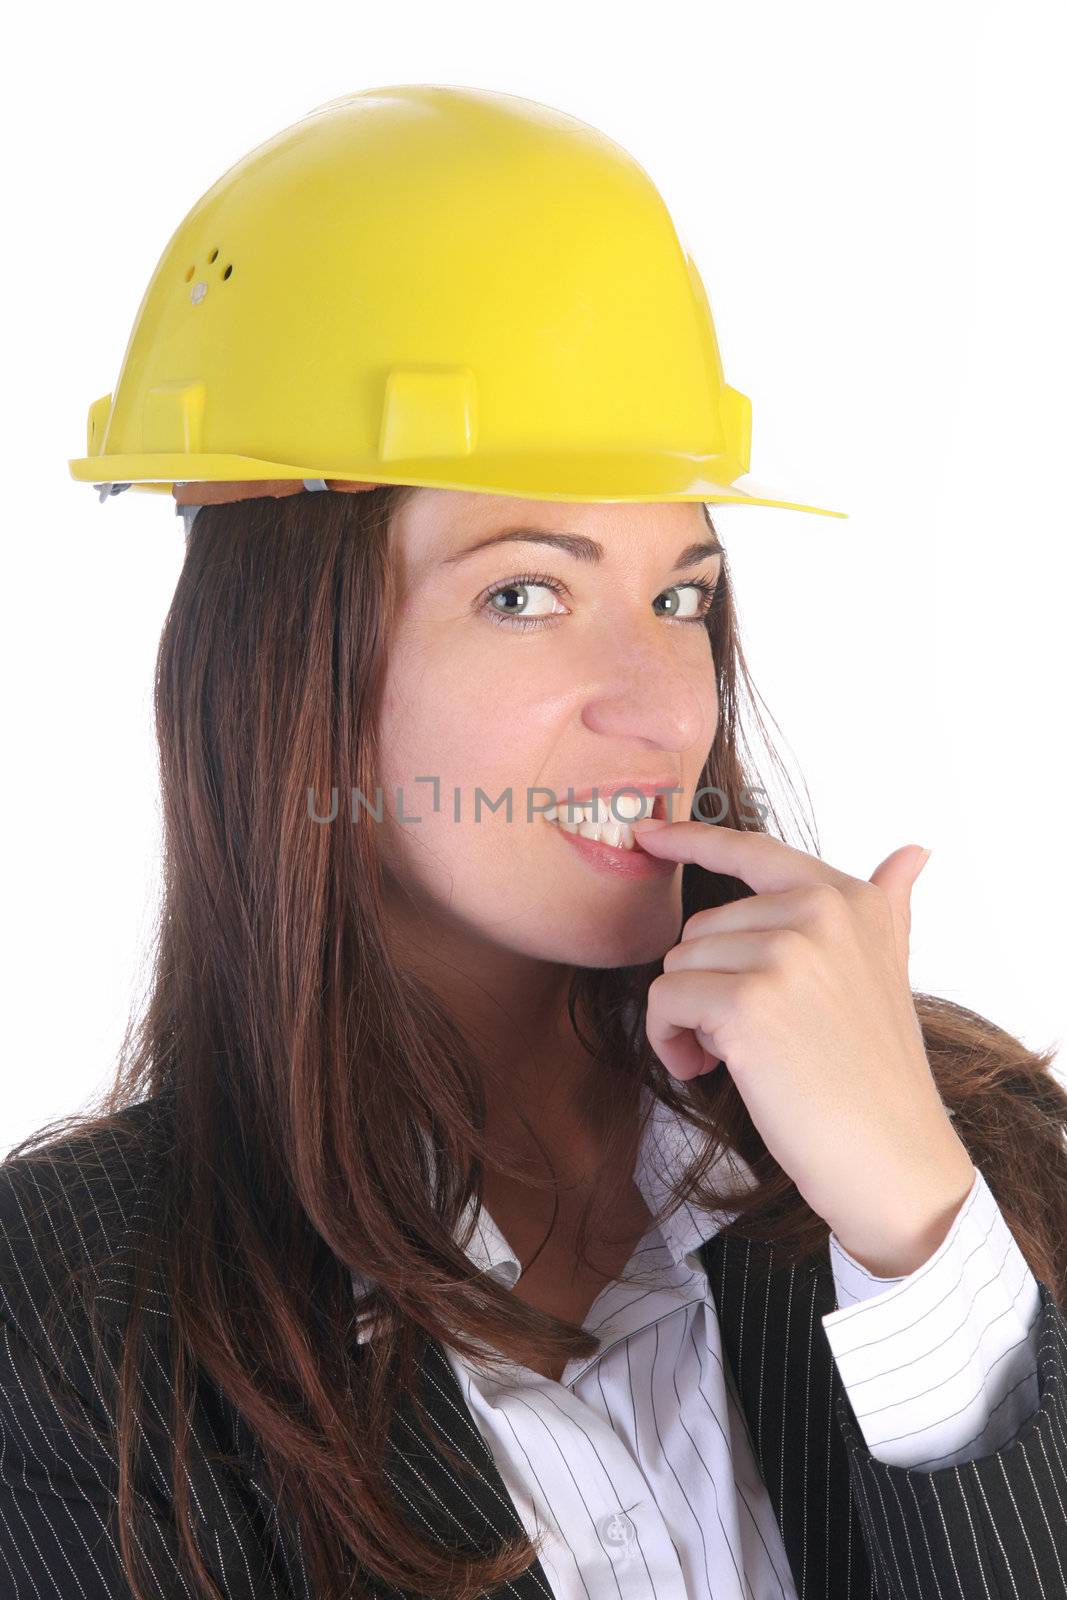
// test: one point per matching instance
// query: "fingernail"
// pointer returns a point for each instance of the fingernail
(925, 858)
(645, 823)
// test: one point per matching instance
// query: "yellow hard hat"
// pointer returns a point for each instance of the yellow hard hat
(431, 285)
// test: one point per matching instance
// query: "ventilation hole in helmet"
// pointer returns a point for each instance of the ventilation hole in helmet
(189, 274)
(214, 253)
(229, 269)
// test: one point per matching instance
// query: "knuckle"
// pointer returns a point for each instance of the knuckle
(825, 902)
(699, 923)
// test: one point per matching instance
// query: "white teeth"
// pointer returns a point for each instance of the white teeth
(597, 822)
(614, 833)
(634, 805)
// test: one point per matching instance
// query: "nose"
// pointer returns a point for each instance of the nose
(645, 687)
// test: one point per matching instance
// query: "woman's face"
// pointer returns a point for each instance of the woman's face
(590, 675)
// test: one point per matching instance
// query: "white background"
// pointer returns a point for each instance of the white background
(874, 196)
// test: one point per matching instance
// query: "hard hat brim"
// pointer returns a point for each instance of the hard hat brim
(601, 476)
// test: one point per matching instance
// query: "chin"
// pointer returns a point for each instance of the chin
(619, 946)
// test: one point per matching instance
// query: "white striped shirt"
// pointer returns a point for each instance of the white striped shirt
(636, 1470)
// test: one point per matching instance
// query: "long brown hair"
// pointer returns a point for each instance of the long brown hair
(309, 1074)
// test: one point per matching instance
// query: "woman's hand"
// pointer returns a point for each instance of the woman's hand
(801, 991)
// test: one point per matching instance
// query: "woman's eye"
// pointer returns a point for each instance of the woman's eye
(515, 604)
(517, 608)
(704, 595)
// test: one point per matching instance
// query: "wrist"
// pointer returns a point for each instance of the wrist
(898, 1250)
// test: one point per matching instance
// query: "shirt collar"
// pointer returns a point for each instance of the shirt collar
(668, 1144)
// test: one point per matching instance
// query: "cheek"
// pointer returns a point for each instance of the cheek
(454, 720)
(451, 719)
(459, 705)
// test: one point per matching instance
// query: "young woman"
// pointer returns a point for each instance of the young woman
(497, 1199)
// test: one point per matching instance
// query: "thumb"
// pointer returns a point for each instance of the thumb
(897, 875)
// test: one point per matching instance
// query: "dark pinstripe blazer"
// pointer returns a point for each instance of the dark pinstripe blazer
(852, 1526)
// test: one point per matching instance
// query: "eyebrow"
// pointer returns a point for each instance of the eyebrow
(579, 545)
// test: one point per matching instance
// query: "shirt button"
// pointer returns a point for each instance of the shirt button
(616, 1530)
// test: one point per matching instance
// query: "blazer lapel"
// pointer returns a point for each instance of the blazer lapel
(475, 1512)
(787, 1381)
